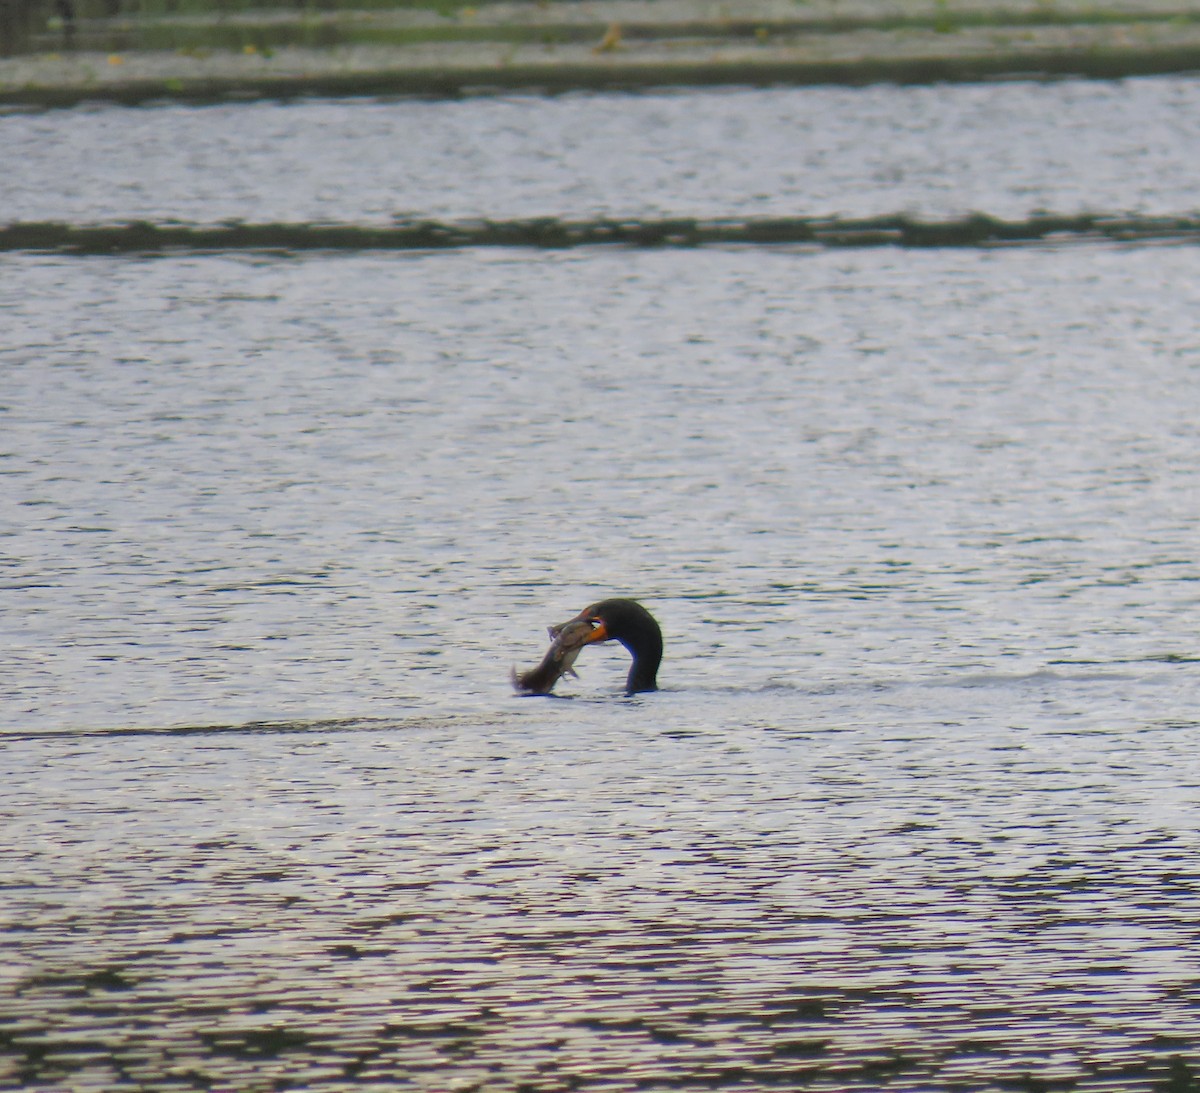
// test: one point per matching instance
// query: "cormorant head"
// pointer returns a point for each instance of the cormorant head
(634, 627)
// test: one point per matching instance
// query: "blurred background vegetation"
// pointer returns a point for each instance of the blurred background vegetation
(31, 25)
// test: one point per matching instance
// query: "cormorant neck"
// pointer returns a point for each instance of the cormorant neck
(646, 650)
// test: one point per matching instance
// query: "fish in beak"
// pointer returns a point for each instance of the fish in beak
(566, 641)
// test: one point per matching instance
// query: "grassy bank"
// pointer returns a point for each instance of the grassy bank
(185, 49)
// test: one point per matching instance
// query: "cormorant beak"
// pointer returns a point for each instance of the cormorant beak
(599, 630)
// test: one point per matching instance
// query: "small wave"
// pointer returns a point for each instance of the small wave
(260, 728)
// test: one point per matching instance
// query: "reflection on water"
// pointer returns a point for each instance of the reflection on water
(918, 804)
(642, 900)
(931, 152)
(246, 489)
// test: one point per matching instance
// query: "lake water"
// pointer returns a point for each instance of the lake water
(918, 804)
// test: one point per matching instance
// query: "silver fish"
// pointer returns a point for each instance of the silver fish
(566, 641)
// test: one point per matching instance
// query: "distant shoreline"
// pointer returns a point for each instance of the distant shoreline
(381, 54)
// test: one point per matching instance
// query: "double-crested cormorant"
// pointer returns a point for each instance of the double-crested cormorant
(634, 627)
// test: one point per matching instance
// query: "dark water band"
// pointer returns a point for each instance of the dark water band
(550, 233)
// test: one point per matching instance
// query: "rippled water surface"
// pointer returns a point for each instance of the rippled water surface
(916, 808)
(1006, 149)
